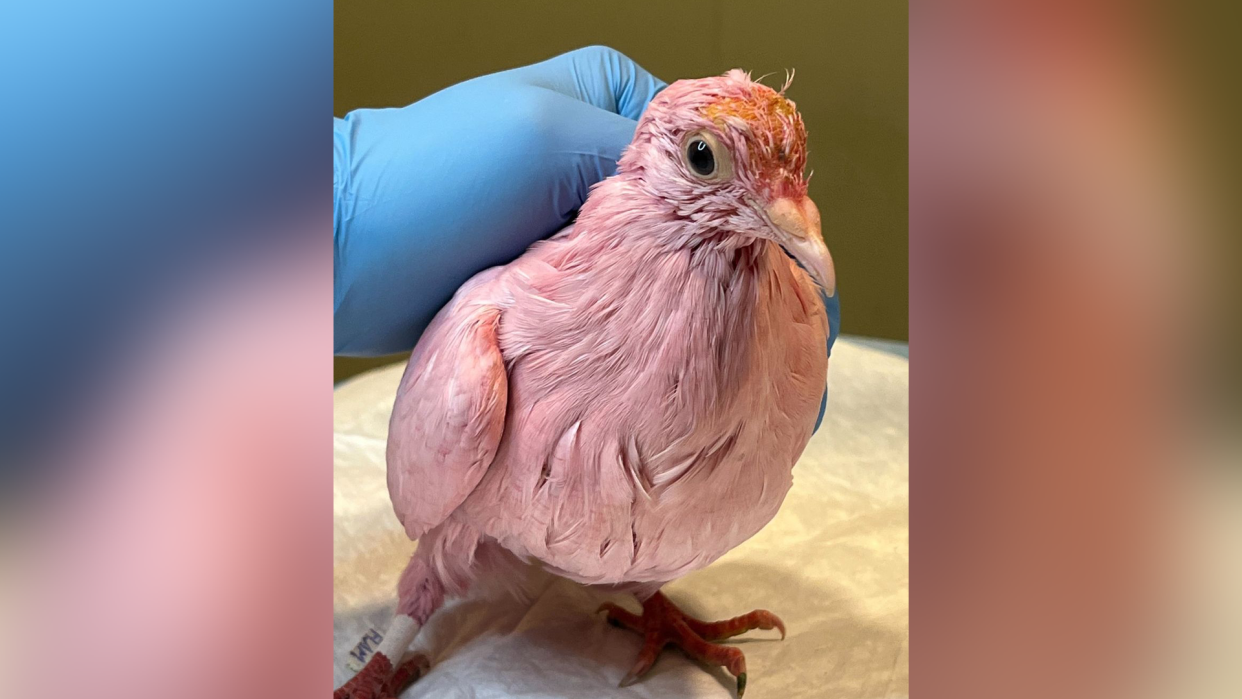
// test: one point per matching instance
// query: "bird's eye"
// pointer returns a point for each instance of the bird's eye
(700, 157)
(706, 157)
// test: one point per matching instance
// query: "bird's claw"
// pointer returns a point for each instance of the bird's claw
(662, 623)
(378, 680)
(629, 679)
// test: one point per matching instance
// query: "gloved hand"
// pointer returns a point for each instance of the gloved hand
(428, 195)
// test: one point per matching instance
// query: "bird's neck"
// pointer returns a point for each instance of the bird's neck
(704, 288)
(623, 206)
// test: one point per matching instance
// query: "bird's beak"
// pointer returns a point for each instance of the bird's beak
(797, 230)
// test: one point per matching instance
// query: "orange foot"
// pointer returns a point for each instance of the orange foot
(662, 623)
(378, 681)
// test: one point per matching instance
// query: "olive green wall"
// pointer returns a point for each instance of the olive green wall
(851, 62)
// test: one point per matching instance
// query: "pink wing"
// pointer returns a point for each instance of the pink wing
(449, 415)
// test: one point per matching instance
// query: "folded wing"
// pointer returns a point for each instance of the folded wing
(448, 418)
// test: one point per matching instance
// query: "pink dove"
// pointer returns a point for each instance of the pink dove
(625, 402)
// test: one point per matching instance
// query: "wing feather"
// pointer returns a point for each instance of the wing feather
(448, 418)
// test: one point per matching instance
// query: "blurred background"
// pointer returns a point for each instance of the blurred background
(851, 87)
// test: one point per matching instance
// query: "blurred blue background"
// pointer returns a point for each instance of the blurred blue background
(144, 142)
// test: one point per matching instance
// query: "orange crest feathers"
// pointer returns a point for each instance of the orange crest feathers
(767, 116)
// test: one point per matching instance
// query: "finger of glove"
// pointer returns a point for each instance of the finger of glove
(832, 304)
(582, 149)
(598, 75)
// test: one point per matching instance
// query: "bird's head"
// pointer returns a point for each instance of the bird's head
(727, 155)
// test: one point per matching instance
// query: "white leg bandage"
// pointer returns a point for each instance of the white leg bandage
(397, 639)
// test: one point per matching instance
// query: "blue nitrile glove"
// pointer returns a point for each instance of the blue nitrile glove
(428, 195)
(833, 305)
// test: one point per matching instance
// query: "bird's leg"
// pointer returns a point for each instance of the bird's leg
(662, 623)
(385, 676)
(381, 678)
